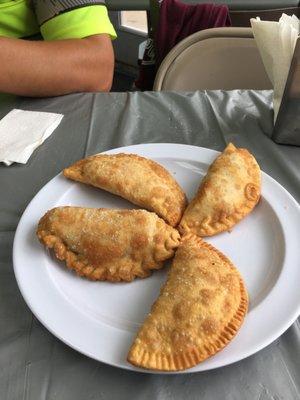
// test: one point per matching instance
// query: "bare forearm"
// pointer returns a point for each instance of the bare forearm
(40, 68)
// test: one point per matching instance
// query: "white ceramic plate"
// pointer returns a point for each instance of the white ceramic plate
(100, 319)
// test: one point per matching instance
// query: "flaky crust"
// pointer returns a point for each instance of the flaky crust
(137, 179)
(228, 192)
(103, 244)
(198, 312)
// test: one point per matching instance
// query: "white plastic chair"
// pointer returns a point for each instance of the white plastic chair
(218, 58)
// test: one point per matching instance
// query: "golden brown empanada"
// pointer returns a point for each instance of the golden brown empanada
(137, 179)
(228, 192)
(113, 245)
(199, 310)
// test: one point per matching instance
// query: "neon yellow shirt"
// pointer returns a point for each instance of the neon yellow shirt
(67, 20)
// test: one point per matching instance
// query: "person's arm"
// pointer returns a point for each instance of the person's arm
(51, 68)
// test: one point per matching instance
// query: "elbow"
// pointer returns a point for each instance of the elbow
(98, 64)
(101, 84)
(101, 77)
(105, 87)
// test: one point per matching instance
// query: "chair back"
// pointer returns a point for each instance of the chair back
(218, 58)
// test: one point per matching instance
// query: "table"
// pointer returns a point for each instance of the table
(37, 366)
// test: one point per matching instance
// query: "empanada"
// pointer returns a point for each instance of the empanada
(228, 192)
(199, 310)
(103, 244)
(137, 179)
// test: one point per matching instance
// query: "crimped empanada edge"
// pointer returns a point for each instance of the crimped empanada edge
(218, 227)
(230, 221)
(81, 267)
(140, 357)
(170, 245)
(74, 172)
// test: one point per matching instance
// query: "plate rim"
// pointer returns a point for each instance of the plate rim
(135, 149)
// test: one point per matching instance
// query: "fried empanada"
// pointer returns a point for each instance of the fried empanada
(137, 179)
(229, 191)
(199, 310)
(103, 244)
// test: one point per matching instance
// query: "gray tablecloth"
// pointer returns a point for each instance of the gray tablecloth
(36, 365)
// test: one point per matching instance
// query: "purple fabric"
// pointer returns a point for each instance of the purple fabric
(178, 20)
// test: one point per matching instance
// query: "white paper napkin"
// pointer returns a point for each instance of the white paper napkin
(276, 43)
(21, 132)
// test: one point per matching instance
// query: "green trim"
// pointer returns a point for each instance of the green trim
(17, 19)
(79, 23)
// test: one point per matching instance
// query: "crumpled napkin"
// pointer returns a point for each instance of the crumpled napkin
(21, 132)
(276, 42)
